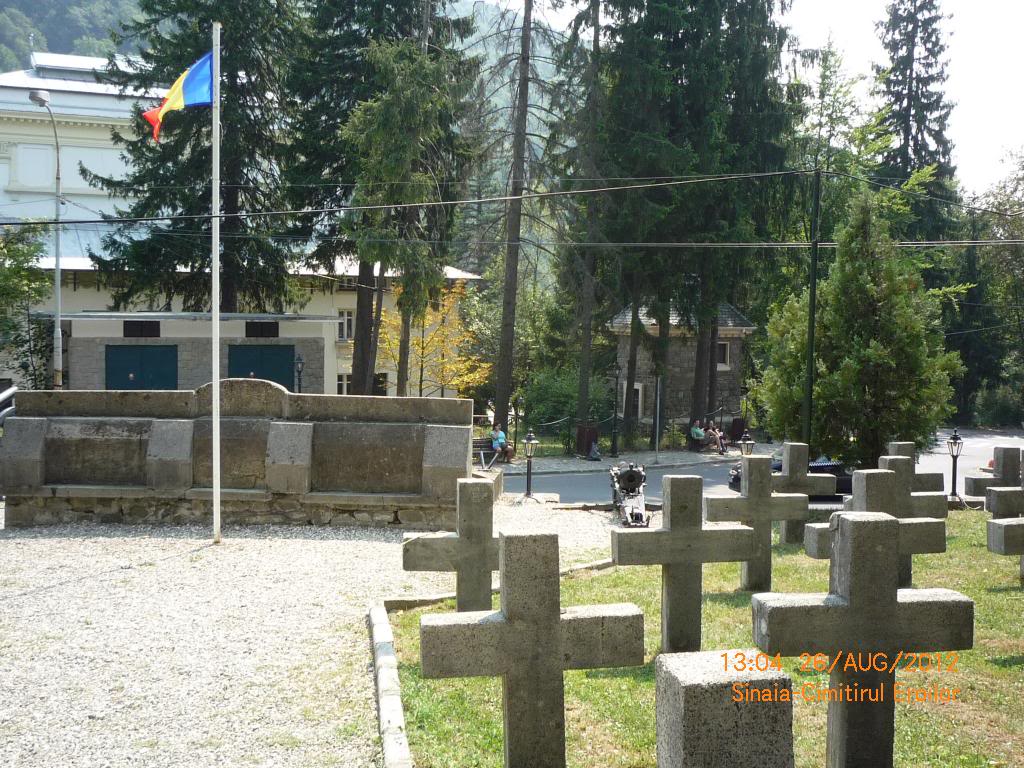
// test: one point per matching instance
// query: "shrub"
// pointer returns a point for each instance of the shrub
(999, 406)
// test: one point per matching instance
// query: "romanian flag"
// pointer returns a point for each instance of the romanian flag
(193, 89)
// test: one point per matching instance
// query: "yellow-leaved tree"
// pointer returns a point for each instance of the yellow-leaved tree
(438, 364)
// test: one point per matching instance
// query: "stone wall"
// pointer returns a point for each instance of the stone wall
(87, 359)
(145, 457)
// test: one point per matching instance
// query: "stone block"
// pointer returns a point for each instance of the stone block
(1006, 537)
(243, 453)
(368, 457)
(975, 485)
(447, 458)
(1004, 502)
(405, 410)
(23, 452)
(252, 398)
(169, 455)
(96, 451)
(289, 457)
(108, 403)
(700, 723)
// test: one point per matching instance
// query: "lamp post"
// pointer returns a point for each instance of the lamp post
(42, 99)
(954, 445)
(300, 365)
(746, 444)
(531, 443)
(615, 414)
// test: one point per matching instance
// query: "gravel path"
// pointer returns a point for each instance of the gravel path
(147, 646)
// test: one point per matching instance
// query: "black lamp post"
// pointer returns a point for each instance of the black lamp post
(531, 443)
(955, 445)
(300, 364)
(615, 414)
(746, 444)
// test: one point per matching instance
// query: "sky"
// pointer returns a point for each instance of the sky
(984, 42)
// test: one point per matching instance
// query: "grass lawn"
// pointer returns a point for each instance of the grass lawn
(610, 712)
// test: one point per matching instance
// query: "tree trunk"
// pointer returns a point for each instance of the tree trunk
(712, 363)
(371, 360)
(660, 371)
(364, 329)
(629, 413)
(589, 257)
(404, 343)
(506, 348)
(699, 401)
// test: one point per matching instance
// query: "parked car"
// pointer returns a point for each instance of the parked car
(823, 465)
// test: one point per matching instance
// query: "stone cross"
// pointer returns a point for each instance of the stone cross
(681, 547)
(1005, 472)
(472, 551)
(757, 507)
(875, 490)
(1006, 537)
(1004, 496)
(528, 643)
(795, 478)
(863, 613)
(923, 481)
(699, 722)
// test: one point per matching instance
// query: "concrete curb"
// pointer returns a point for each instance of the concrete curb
(390, 714)
(598, 468)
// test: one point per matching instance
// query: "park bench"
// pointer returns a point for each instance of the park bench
(482, 448)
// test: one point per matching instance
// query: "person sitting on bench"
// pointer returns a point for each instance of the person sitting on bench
(499, 444)
(715, 437)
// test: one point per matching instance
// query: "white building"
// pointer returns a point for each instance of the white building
(143, 350)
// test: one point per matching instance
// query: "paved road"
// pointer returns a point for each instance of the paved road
(592, 487)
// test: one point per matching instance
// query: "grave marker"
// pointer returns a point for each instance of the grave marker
(923, 481)
(699, 724)
(864, 612)
(681, 547)
(757, 507)
(472, 551)
(795, 478)
(1005, 472)
(528, 643)
(1006, 537)
(875, 490)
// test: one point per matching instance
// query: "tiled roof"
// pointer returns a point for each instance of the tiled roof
(728, 317)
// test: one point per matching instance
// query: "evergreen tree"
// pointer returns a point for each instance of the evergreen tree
(168, 260)
(881, 368)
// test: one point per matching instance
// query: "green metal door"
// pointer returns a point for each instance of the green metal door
(273, 362)
(142, 366)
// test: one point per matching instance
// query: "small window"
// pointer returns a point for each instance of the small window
(255, 329)
(723, 356)
(344, 383)
(380, 384)
(142, 329)
(346, 324)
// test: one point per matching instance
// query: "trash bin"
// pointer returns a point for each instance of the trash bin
(586, 436)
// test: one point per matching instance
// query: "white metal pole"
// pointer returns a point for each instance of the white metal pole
(657, 420)
(215, 278)
(58, 339)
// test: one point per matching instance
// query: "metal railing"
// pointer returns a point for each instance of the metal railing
(6, 403)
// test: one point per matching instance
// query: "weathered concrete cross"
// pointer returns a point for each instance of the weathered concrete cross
(681, 547)
(875, 490)
(472, 551)
(795, 478)
(1005, 472)
(923, 481)
(1003, 496)
(863, 613)
(528, 643)
(757, 507)
(1006, 537)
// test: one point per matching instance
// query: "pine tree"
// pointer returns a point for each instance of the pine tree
(171, 177)
(881, 368)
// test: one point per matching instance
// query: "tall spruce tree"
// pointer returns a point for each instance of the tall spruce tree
(171, 177)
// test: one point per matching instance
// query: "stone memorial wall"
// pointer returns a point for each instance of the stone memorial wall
(144, 457)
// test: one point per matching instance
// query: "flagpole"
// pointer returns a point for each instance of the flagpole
(215, 278)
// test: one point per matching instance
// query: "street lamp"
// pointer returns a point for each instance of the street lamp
(42, 99)
(746, 444)
(615, 414)
(300, 364)
(954, 445)
(531, 443)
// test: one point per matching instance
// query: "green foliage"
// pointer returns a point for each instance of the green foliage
(173, 176)
(63, 26)
(550, 395)
(18, 35)
(881, 373)
(1000, 406)
(24, 343)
